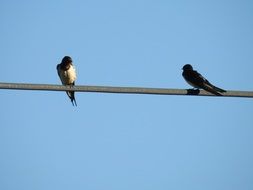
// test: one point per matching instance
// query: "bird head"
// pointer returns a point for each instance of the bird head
(187, 67)
(66, 60)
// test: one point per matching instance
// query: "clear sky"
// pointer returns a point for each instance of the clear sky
(116, 141)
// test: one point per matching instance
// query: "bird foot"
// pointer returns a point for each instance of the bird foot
(193, 91)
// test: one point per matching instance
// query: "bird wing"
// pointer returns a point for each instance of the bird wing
(61, 74)
(194, 78)
(58, 69)
(215, 88)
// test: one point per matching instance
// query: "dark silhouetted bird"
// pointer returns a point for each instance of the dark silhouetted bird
(67, 74)
(196, 80)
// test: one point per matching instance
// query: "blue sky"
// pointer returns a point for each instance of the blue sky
(116, 141)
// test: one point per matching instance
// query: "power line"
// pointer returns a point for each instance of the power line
(126, 90)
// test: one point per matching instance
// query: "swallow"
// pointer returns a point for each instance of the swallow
(67, 73)
(196, 80)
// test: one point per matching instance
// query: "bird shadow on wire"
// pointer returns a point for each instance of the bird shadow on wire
(193, 91)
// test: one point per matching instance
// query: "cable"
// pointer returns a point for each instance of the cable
(126, 90)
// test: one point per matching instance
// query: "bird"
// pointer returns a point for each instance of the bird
(196, 80)
(67, 73)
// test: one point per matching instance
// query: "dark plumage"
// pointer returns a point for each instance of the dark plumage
(196, 80)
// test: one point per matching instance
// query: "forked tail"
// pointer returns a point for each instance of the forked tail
(71, 95)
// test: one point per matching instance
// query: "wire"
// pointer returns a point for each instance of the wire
(126, 90)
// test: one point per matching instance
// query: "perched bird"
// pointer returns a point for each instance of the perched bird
(67, 74)
(196, 80)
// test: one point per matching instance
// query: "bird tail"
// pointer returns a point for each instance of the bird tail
(211, 90)
(71, 95)
(218, 89)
